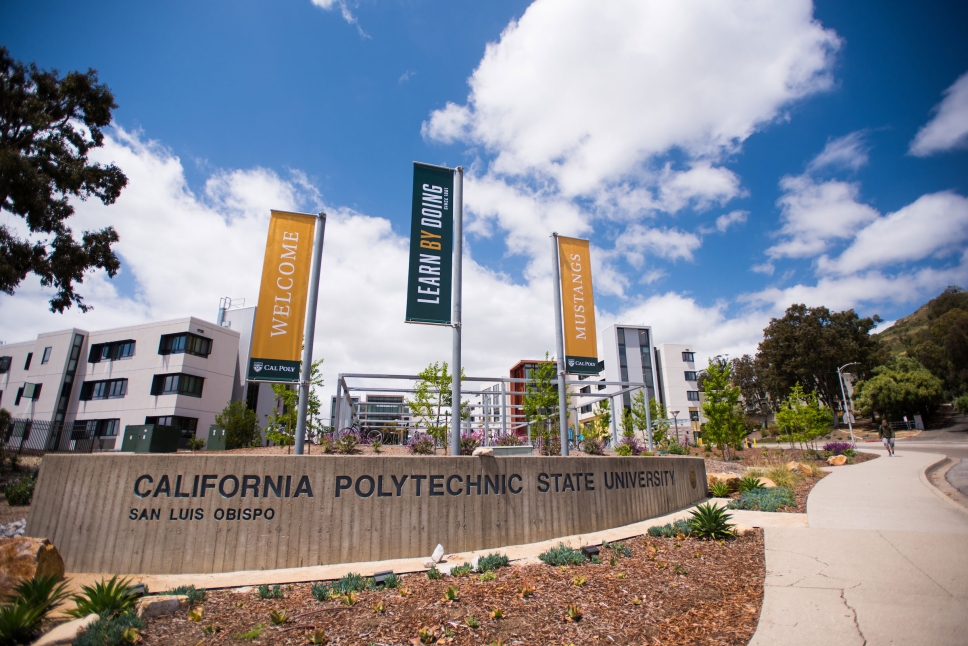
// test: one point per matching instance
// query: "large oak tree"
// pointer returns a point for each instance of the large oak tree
(807, 346)
(48, 124)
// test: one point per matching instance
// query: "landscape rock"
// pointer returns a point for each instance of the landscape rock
(729, 478)
(431, 563)
(483, 450)
(66, 633)
(156, 606)
(13, 528)
(797, 467)
(438, 554)
(837, 460)
(24, 558)
(766, 483)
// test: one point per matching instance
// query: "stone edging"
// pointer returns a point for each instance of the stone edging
(923, 475)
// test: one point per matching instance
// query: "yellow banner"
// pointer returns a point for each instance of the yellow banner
(578, 306)
(280, 318)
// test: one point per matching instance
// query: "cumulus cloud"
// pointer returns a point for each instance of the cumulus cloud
(814, 214)
(724, 222)
(848, 152)
(934, 225)
(585, 93)
(949, 127)
(638, 241)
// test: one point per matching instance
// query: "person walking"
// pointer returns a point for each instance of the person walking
(887, 436)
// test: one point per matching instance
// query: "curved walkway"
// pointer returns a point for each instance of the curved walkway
(882, 561)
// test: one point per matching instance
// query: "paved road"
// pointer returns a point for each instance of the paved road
(882, 562)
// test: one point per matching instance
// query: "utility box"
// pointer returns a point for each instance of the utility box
(150, 438)
(216, 438)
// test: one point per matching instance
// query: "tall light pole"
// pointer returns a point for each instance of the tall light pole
(675, 419)
(843, 393)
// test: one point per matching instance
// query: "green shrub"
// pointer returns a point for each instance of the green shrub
(104, 598)
(352, 582)
(562, 555)
(624, 450)
(764, 499)
(492, 561)
(677, 449)
(265, 592)
(321, 591)
(28, 605)
(709, 521)
(961, 404)
(434, 574)
(461, 570)
(194, 596)
(108, 631)
(195, 444)
(19, 623)
(20, 491)
(719, 490)
(749, 483)
(391, 581)
(671, 530)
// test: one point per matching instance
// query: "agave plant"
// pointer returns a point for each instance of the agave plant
(750, 483)
(719, 490)
(573, 613)
(19, 623)
(104, 598)
(709, 521)
(317, 636)
(472, 622)
(279, 617)
(497, 613)
(451, 594)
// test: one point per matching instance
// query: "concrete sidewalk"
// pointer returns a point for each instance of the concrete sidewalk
(883, 561)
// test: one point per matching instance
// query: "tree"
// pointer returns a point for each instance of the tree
(902, 387)
(657, 415)
(43, 162)
(747, 379)
(803, 417)
(432, 401)
(282, 424)
(725, 426)
(807, 346)
(240, 424)
(540, 405)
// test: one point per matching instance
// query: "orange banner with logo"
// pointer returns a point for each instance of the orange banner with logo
(578, 306)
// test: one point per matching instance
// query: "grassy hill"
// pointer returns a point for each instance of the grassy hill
(914, 328)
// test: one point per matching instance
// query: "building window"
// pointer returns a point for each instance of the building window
(693, 416)
(5, 364)
(92, 428)
(178, 384)
(111, 351)
(602, 387)
(187, 425)
(30, 391)
(692, 395)
(690, 375)
(585, 389)
(689, 356)
(185, 343)
(586, 409)
(106, 389)
(44, 359)
(30, 355)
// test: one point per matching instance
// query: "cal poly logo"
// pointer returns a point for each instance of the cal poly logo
(257, 366)
(571, 363)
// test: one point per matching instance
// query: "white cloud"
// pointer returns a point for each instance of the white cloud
(815, 214)
(344, 10)
(406, 76)
(586, 93)
(933, 225)
(848, 152)
(949, 127)
(723, 222)
(766, 268)
(671, 244)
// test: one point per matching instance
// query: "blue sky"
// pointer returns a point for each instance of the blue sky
(726, 159)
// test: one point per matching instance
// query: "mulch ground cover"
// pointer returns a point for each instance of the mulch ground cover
(667, 591)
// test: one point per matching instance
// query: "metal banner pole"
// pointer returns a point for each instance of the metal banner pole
(560, 349)
(308, 336)
(458, 254)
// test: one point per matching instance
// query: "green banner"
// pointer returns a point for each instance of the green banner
(273, 370)
(431, 245)
(581, 365)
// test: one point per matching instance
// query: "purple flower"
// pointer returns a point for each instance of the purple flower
(838, 448)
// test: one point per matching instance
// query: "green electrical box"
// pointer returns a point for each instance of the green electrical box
(150, 438)
(216, 438)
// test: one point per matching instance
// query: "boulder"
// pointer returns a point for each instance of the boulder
(158, 605)
(729, 478)
(837, 460)
(799, 467)
(483, 450)
(766, 483)
(22, 558)
(438, 554)
(66, 633)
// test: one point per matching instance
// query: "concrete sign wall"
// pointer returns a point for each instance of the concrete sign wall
(172, 514)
